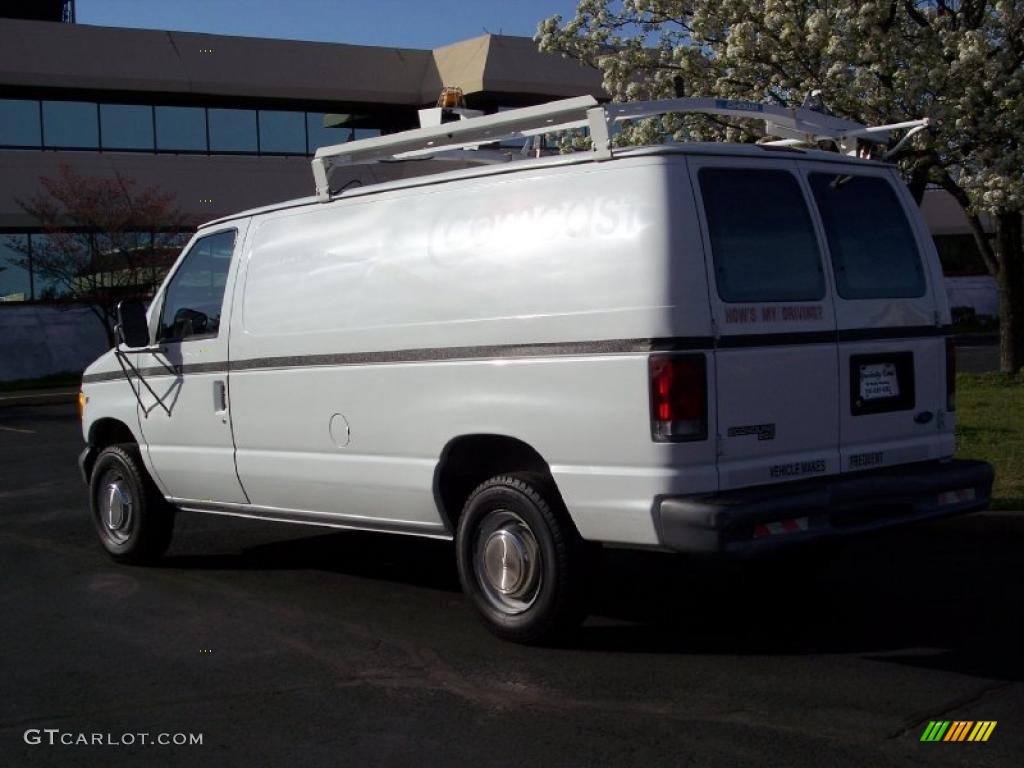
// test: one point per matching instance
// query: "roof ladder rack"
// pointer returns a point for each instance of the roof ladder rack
(794, 125)
(468, 132)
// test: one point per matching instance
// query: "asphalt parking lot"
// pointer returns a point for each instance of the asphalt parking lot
(291, 645)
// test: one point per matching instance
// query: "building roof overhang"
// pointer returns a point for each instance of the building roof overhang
(76, 57)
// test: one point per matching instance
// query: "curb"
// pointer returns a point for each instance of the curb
(976, 339)
(54, 397)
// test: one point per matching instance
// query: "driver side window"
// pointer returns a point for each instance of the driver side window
(195, 295)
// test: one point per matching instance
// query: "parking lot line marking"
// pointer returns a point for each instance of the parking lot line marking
(16, 429)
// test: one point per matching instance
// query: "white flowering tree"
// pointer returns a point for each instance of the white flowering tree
(959, 62)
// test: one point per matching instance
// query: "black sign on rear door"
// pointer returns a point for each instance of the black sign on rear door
(881, 383)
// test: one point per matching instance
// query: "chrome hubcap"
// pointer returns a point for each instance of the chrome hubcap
(117, 508)
(508, 562)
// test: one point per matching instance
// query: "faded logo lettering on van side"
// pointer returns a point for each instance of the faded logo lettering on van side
(515, 228)
(798, 468)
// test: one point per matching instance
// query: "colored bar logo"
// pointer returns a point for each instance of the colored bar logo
(958, 730)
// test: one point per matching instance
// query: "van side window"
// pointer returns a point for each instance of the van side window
(874, 254)
(194, 297)
(762, 238)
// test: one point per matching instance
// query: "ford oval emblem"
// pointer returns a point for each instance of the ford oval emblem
(924, 417)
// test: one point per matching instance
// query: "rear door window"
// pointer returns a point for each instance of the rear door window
(762, 238)
(874, 253)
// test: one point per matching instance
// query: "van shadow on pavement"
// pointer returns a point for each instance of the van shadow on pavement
(947, 596)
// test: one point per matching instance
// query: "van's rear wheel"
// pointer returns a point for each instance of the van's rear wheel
(134, 522)
(519, 561)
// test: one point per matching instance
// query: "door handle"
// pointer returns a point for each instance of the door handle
(220, 397)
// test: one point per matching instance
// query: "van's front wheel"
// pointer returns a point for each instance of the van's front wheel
(519, 562)
(134, 522)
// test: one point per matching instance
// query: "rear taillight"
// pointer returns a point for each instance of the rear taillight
(679, 398)
(950, 374)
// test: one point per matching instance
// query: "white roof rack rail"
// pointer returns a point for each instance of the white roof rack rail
(794, 125)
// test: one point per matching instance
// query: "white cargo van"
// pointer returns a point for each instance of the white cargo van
(700, 348)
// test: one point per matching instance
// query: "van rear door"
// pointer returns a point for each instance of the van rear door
(771, 299)
(891, 314)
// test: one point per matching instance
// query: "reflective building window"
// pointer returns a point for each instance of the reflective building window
(181, 129)
(319, 136)
(126, 126)
(15, 284)
(72, 124)
(45, 285)
(283, 132)
(19, 123)
(87, 125)
(232, 130)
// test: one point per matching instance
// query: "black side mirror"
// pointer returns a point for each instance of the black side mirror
(132, 328)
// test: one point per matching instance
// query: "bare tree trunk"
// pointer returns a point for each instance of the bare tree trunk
(988, 255)
(1011, 292)
(918, 182)
(102, 318)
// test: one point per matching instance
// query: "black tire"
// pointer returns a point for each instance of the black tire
(500, 518)
(132, 519)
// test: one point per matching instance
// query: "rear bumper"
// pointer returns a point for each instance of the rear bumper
(750, 520)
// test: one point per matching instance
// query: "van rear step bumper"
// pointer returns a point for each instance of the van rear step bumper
(751, 520)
